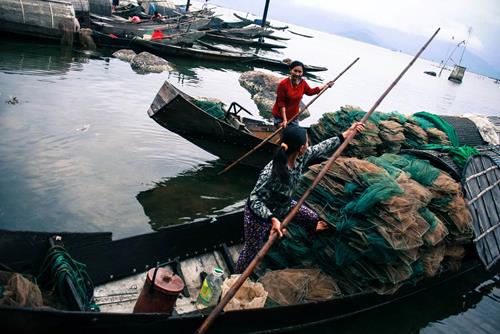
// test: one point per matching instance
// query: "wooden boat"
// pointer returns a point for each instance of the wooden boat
(165, 50)
(119, 26)
(252, 31)
(264, 61)
(183, 38)
(242, 41)
(228, 139)
(218, 23)
(259, 22)
(112, 41)
(36, 18)
(276, 63)
(117, 269)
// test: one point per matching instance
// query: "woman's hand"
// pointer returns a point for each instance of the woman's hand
(329, 84)
(276, 226)
(355, 127)
(283, 124)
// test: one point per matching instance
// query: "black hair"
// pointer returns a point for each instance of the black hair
(296, 63)
(293, 137)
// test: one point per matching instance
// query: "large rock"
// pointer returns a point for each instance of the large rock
(262, 86)
(146, 62)
(125, 55)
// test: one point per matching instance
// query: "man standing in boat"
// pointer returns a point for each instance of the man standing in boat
(289, 94)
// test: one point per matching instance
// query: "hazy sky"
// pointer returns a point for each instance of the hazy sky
(423, 17)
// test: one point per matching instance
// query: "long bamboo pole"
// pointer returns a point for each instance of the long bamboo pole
(260, 256)
(281, 127)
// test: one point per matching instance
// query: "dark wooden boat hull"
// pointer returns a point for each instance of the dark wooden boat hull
(275, 63)
(173, 110)
(164, 50)
(181, 242)
(242, 41)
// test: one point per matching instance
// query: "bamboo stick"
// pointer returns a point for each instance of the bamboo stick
(260, 256)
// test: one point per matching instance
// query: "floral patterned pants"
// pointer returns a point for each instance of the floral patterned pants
(257, 231)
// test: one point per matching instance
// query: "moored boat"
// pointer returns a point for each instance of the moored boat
(259, 22)
(229, 138)
(165, 50)
(118, 269)
(242, 41)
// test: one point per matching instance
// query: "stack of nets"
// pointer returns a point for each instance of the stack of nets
(211, 106)
(392, 220)
(385, 132)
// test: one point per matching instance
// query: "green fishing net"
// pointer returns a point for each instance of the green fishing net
(389, 216)
(214, 108)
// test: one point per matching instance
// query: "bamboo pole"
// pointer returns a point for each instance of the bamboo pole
(281, 127)
(262, 253)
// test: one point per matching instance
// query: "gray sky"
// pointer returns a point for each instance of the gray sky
(422, 17)
(417, 17)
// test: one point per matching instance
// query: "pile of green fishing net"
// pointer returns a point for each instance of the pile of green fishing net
(394, 219)
(385, 132)
(214, 108)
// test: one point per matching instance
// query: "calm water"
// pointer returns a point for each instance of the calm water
(79, 153)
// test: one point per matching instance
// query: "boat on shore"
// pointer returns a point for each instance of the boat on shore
(118, 270)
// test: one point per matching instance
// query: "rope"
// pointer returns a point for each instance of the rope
(59, 266)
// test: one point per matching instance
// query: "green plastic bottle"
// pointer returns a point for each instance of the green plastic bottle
(210, 289)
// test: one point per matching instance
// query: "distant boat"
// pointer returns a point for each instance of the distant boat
(431, 73)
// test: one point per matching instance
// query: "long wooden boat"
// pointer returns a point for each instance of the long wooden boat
(165, 50)
(35, 18)
(181, 38)
(252, 31)
(119, 26)
(265, 61)
(228, 139)
(218, 23)
(118, 269)
(112, 41)
(280, 64)
(242, 41)
(259, 22)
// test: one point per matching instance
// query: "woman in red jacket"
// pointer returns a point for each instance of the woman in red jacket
(289, 94)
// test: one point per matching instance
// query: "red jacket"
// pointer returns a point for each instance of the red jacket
(289, 97)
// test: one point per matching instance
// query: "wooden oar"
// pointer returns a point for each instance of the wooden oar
(281, 127)
(260, 256)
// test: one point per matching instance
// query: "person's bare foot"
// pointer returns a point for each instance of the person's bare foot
(321, 226)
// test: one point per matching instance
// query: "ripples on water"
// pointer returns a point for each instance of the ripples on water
(79, 152)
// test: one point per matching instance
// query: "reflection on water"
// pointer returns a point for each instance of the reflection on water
(197, 193)
(19, 57)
